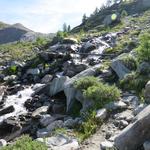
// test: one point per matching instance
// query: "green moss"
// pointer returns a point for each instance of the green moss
(25, 143)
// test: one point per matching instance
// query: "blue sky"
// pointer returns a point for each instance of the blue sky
(46, 15)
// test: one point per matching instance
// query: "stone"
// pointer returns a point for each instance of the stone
(40, 111)
(116, 106)
(42, 133)
(10, 78)
(57, 85)
(10, 129)
(70, 123)
(46, 79)
(101, 114)
(58, 108)
(2, 143)
(134, 135)
(147, 92)
(87, 47)
(133, 101)
(106, 145)
(33, 72)
(144, 68)
(60, 142)
(146, 145)
(7, 110)
(138, 109)
(54, 125)
(46, 120)
(123, 123)
(125, 115)
(120, 69)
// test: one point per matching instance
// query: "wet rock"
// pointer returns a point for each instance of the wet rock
(46, 79)
(132, 137)
(87, 47)
(10, 129)
(2, 143)
(146, 145)
(7, 110)
(40, 111)
(147, 92)
(101, 114)
(106, 145)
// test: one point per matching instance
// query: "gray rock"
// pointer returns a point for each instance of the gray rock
(147, 92)
(138, 109)
(46, 79)
(101, 114)
(124, 123)
(2, 143)
(119, 68)
(7, 110)
(107, 145)
(54, 125)
(40, 111)
(42, 133)
(46, 120)
(71, 123)
(146, 145)
(132, 137)
(133, 101)
(34, 71)
(60, 142)
(144, 68)
(57, 85)
(112, 106)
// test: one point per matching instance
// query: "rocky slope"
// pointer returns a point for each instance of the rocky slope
(17, 32)
(95, 90)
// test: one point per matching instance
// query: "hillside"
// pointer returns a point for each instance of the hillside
(17, 32)
(102, 17)
(88, 89)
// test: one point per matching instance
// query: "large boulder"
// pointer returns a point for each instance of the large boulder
(118, 66)
(132, 137)
(57, 85)
(147, 92)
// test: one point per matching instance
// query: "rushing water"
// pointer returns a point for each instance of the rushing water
(17, 101)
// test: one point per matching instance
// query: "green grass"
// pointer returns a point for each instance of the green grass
(25, 143)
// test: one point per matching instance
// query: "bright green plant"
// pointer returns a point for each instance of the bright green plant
(25, 143)
(143, 50)
(86, 82)
(102, 94)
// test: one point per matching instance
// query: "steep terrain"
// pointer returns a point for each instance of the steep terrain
(86, 91)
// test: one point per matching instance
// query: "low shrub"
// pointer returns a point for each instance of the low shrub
(143, 49)
(134, 81)
(25, 143)
(86, 82)
(102, 94)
